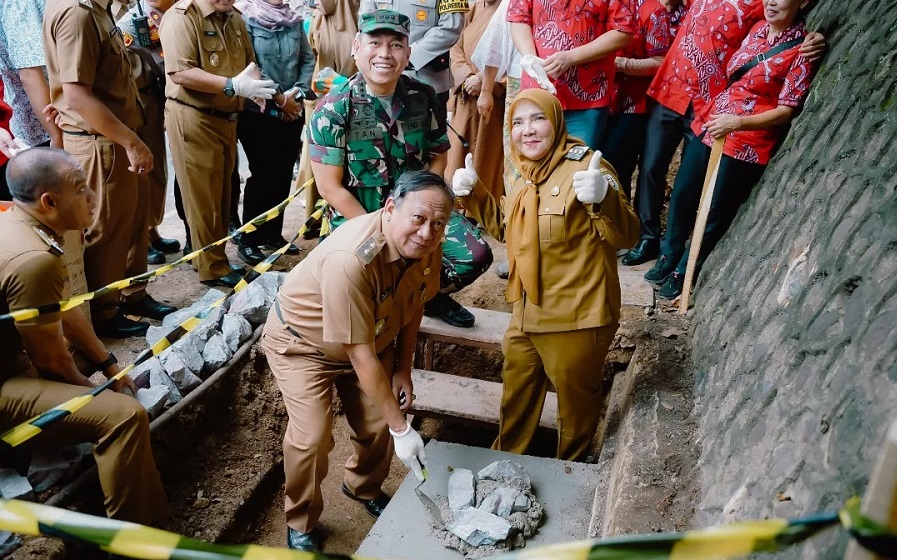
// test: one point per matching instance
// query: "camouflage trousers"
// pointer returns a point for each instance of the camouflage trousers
(465, 256)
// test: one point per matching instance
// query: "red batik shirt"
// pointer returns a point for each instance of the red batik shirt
(567, 24)
(695, 69)
(5, 116)
(653, 37)
(783, 80)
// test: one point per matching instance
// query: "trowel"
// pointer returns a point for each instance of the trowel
(428, 502)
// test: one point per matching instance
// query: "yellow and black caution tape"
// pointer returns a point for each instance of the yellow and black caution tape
(65, 305)
(27, 430)
(732, 540)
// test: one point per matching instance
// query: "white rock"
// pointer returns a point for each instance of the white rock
(236, 330)
(49, 465)
(251, 303)
(153, 399)
(461, 489)
(477, 527)
(141, 374)
(174, 319)
(190, 348)
(160, 378)
(521, 503)
(209, 325)
(216, 353)
(8, 543)
(270, 282)
(501, 501)
(14, 486)
(177, 370)
(505, 471)
(154, 334)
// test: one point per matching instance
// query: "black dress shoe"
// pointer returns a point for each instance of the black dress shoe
(306, 542)
(661, 270)
(449, 311)
(154, 257)
(188, 247)
(120, 326)
(276, 243)
(374, 507)
(166, 245)
(250, 254)
(644, 251)
(312, 233)
(147, 307)
(672, 288)
(227, 281)
(238, 268)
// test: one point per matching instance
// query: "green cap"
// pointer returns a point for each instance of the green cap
(384, 19)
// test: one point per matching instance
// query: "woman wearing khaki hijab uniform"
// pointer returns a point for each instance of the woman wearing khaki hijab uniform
(563, 225)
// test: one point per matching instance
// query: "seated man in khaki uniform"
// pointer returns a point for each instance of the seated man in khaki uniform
(37, 370)
(349, 315)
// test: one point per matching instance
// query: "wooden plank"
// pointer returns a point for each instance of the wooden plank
(487, 332)
(880, 500)
(443, 395)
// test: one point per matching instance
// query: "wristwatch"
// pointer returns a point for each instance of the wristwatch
(229, 88)
(104, 365)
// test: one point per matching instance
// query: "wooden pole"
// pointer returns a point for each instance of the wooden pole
(880, 500)
(697, 235)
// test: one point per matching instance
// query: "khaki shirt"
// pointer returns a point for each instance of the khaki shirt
(83, 46)
(32, 273)
(355, 288)
(194, 35)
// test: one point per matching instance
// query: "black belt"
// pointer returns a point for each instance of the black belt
(81, 133)
(288, 328)
(226, 115)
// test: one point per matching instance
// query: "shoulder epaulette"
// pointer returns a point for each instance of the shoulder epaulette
(86, 4)
(182, 5)
(53, 246)
(370, 247)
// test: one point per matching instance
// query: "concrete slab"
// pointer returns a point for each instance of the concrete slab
(563, 488)
(635, 290)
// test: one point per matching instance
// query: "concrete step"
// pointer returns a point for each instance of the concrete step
(441, 395)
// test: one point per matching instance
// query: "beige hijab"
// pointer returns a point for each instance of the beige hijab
(522, 232)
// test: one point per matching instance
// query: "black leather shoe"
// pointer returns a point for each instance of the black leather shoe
(154, 256)
(147, 307)
(661, 270)
(276, 243)
(226, 281)
(374, 507)
(312, 233)
(120, 326)
(449, 311)
(644, 251)
(238, 268)
(188, 247)
(166, 245)
(503, 270)
(672, 288)
(306, 542)
(250, 254)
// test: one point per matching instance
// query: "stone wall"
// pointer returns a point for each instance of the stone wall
(794, 397)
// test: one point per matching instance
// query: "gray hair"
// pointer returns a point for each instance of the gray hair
(34, 171)
(414, 181)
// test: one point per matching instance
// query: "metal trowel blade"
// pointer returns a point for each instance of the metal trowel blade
(428, 502)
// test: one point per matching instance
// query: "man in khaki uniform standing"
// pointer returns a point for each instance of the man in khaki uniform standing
(205, 43)
(349, 315)
(92, 88)
(37, 370)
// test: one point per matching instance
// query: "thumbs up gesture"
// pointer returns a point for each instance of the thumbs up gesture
(590, 185)
(464, 178)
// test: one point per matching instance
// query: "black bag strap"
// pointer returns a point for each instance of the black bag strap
(747, 66)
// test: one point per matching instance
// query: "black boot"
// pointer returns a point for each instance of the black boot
(644, 251)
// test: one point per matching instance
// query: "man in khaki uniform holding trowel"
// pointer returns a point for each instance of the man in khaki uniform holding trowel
(349, 315)
(205, 43)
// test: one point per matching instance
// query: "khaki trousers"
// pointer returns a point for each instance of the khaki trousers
(116, 424)
(306, 380)
(204, 152)
(120, 224)
(153, 135)
(574, 362)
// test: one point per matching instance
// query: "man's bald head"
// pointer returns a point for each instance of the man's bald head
(35, 171)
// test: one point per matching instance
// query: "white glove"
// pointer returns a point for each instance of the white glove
(590, 185)
(464, 178)
(246, 85)
(410, 449)
(535, 67)
(10, 146)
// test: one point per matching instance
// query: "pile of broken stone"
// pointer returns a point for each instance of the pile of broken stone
(491, 512)
(162, 381)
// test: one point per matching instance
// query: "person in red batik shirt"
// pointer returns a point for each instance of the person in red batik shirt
(576, 41)
(770, 79)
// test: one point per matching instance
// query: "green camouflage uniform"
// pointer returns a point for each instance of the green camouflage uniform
(351, 129)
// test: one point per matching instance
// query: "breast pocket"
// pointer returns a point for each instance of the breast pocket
(552, 224)
(212, 51)
(367, 163)
(265, 44)
(423, 15)
(382, 313)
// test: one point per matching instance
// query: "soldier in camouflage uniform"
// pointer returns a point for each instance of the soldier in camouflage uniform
(368, 131)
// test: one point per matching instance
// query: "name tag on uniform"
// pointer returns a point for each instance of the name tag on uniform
(413, 126)
(363, 134)
(210, 33)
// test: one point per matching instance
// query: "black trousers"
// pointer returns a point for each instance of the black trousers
(734, 182)
(665, 129)
(271, 145)
(4, 188)
(623, 145)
